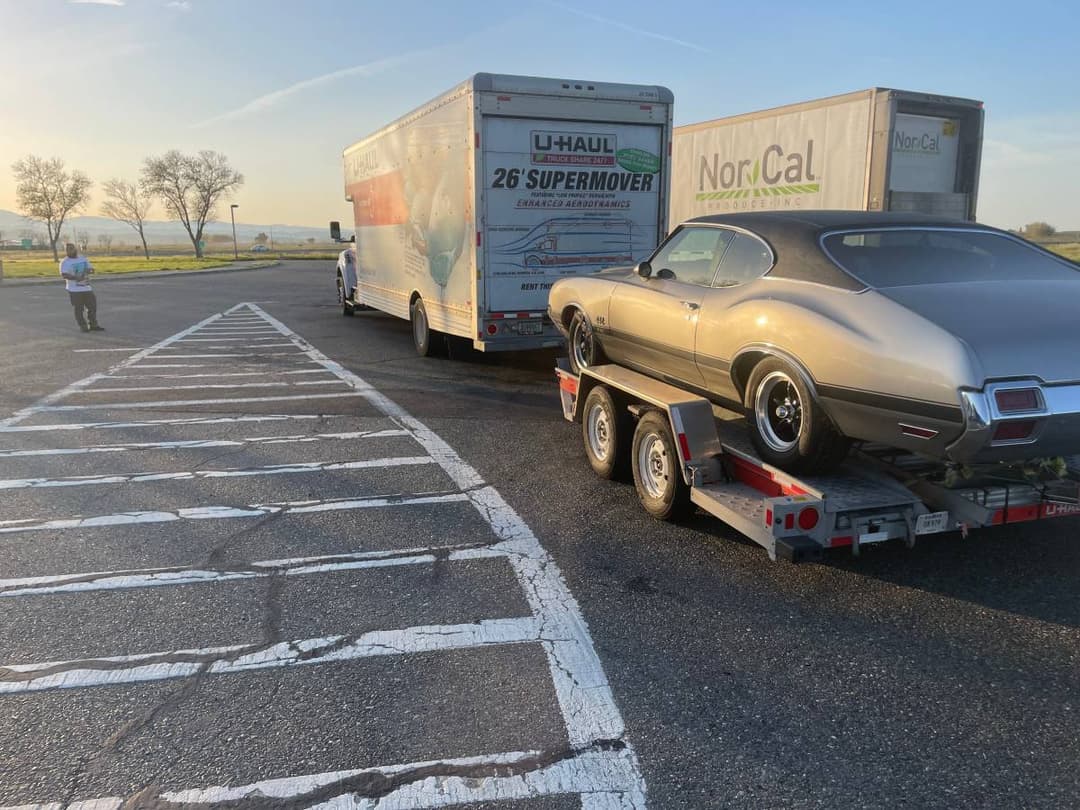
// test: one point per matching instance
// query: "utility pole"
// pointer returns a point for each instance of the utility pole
(232, 215)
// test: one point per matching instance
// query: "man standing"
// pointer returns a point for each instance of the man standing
(75, 269)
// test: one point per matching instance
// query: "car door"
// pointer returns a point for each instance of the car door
(746, 260)
(653, 320)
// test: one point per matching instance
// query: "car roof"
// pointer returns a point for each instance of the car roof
(794, 237)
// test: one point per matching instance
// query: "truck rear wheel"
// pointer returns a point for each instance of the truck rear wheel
(421, 329)
(607, 432)
(658, 476)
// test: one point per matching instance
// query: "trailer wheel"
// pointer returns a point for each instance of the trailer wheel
(581, 340)
(657, 468)
(343, 298)
(787, 425)
(421, 329)
(607, 431)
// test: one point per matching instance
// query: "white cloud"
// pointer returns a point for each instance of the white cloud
(179, 5)
(97, 2)
(265, 102)
(640, 31)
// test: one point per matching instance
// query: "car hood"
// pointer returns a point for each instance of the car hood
(1014, 328)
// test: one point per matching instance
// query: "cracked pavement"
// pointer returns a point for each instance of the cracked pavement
(941, 677)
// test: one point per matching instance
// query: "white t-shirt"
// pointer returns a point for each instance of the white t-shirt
(78, 267)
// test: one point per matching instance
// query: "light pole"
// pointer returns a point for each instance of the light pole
(232, 215)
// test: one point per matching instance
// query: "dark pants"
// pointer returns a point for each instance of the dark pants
(87, 301)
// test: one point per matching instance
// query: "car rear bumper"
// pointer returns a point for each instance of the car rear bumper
(1051, 429)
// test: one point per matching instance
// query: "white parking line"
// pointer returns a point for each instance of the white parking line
(216, 339)
(202, 444)
(194, 475)
(261, 373)
(601, 777)
(160, 666)
(168, 403)
(234, 354)
(222, 512)
(191, 420)
(118, 349)
(203, 386)
(297, 566)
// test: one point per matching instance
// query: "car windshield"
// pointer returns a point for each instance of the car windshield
(903, 257)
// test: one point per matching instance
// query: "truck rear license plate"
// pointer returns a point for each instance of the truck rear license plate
(932, 523)
(530, 327)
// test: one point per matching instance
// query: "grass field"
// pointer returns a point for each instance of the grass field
(1069, 251)
(40, 264)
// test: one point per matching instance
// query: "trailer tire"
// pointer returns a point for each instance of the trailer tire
(606, 431)
(581, 343)
(347, 308)
(788, 427)
(657, 468)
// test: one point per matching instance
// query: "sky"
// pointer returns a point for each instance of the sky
(281, 87)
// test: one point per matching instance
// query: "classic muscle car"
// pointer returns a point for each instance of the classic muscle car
(953, 340)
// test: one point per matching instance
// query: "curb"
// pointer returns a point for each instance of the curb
(28, 282)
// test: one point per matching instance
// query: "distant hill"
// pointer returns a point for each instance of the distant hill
(163, 232)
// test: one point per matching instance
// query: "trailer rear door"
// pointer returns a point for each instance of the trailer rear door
(565, 198)
(923, 166)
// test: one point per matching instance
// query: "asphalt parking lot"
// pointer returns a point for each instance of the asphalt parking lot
(253, 553)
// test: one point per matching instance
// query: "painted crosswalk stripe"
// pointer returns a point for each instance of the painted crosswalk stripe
(297, 566)
(219, 375)
(204, 444)
(227, 660)
(297, 468)
(227, 512)
(169, 403)
(190, 420)
(203, 386)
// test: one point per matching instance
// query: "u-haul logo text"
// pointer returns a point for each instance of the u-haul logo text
(552, 148)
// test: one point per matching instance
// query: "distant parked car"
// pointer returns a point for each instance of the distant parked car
(259, 248)
(952, 340)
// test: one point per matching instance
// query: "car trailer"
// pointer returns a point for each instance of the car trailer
(682, 454)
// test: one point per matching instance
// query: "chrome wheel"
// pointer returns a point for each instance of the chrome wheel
(600, 433)
(778, 411)
(654, 465)
(581, 343)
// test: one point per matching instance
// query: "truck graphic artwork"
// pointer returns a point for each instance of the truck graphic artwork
(576, 242)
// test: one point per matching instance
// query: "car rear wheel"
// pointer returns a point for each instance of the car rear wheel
(583, 348)
(343, 298)
(657, 469)
(606, 430)
(788, 427)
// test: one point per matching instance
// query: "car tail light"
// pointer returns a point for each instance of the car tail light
(808, 518)
(1014, 400)
(1015, 430)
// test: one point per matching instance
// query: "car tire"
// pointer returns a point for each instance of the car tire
(423, 337)
(343, 299)
(582, 346)
(606, 431)
(788, 427)
(657, 468)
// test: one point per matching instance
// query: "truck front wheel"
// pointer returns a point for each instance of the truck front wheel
(343, 297)
(658, 476)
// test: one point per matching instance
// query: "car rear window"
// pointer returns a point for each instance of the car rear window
(898, 258)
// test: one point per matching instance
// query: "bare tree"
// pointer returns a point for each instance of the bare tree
(47, 192)
(106, 240)
(190, 186)
(126, 202)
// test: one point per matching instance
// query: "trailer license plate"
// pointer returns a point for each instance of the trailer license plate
(530, 327)
(932, 523)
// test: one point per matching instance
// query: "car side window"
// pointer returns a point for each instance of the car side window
(746, 259)
(691, 255)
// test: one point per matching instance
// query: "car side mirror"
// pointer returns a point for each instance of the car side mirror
(643, 269)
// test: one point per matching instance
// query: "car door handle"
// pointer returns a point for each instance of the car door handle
(691, 304)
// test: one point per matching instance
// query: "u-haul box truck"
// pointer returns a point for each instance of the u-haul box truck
(874, 150)
(469, 208)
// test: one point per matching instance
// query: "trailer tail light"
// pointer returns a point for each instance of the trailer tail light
(1014, 431)
(768, 517)
(684, 446)
(808, 518)
(1016, 400)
